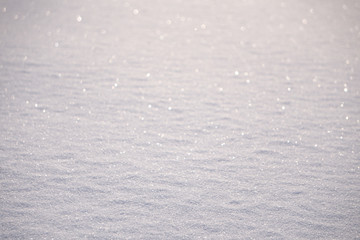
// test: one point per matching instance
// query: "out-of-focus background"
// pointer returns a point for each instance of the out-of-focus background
(179, 119)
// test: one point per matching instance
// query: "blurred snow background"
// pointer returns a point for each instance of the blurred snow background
(179, 119)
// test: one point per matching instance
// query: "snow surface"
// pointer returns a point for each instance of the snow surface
(180, 119)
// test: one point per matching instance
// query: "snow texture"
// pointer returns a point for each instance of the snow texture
(180, 119)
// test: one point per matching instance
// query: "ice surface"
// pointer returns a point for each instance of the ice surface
(179, 119)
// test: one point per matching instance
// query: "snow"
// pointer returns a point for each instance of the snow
(179, 119)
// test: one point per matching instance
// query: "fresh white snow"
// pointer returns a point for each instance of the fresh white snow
(179, 119)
